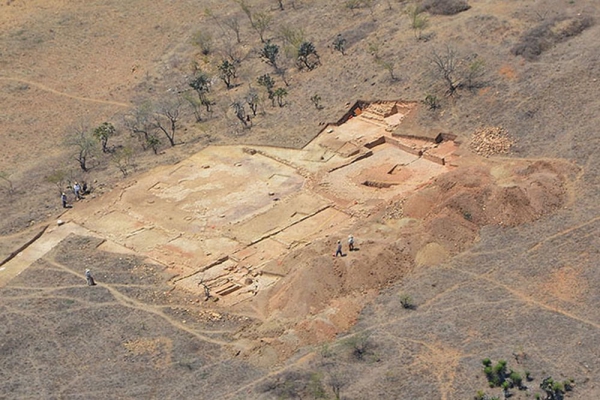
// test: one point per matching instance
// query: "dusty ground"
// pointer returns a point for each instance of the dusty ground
(498, 255)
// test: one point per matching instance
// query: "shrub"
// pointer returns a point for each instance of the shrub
(543, 36)
(431, 101)
(360, 345)
(445, 7)
(407, 302)
(516, 378)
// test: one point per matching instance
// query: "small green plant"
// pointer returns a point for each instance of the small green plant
(316, 100)
(359, 345)
(431, 101)
(407, 302)
(418, 21)
(204, 41)
(315, 386)
(516, 379)
(339, 44)
(280, 94)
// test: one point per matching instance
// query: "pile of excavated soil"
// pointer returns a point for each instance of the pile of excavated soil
(491, 140)
(322, 295)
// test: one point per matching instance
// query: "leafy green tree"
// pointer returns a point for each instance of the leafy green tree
(268, 83)
(269, 53)
(339, 44)
(201, 84)
(307, 55)
(153, 142)
(227, 72)
(280, 94)
(103, 133)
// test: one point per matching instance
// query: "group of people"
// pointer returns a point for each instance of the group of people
(78, 190)
(338, 250)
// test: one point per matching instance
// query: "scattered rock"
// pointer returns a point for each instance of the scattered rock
(492, 140)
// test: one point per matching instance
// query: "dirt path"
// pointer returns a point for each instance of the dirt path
(59, 93)
(37, 250)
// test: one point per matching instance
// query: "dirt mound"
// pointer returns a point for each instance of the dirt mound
(322, 295)
(490, 141)
(521, 194)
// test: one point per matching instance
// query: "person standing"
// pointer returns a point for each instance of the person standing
(350, 243)
(89, 278)
(77, 190)
(339, 249)
(63, 198)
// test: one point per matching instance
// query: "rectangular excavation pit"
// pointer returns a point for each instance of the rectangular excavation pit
(380, 185)
(325, 222)
(281, 215)
(228, 288)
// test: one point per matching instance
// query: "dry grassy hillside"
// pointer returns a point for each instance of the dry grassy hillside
(521, 291)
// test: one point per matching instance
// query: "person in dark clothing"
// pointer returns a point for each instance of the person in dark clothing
(338, 250)
(89, 278)
(63, 198)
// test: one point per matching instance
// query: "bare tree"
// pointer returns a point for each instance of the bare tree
(233, 23)
(444, 64)
(194, 104)
(166, 118)
(252, 100)
(337, 381)
(262, 21)
(123, 159)
(140, 124)
(82, 139)
(240, 113)
(59, 178)
(5, 177)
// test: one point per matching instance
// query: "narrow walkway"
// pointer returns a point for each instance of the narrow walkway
(38, 249)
